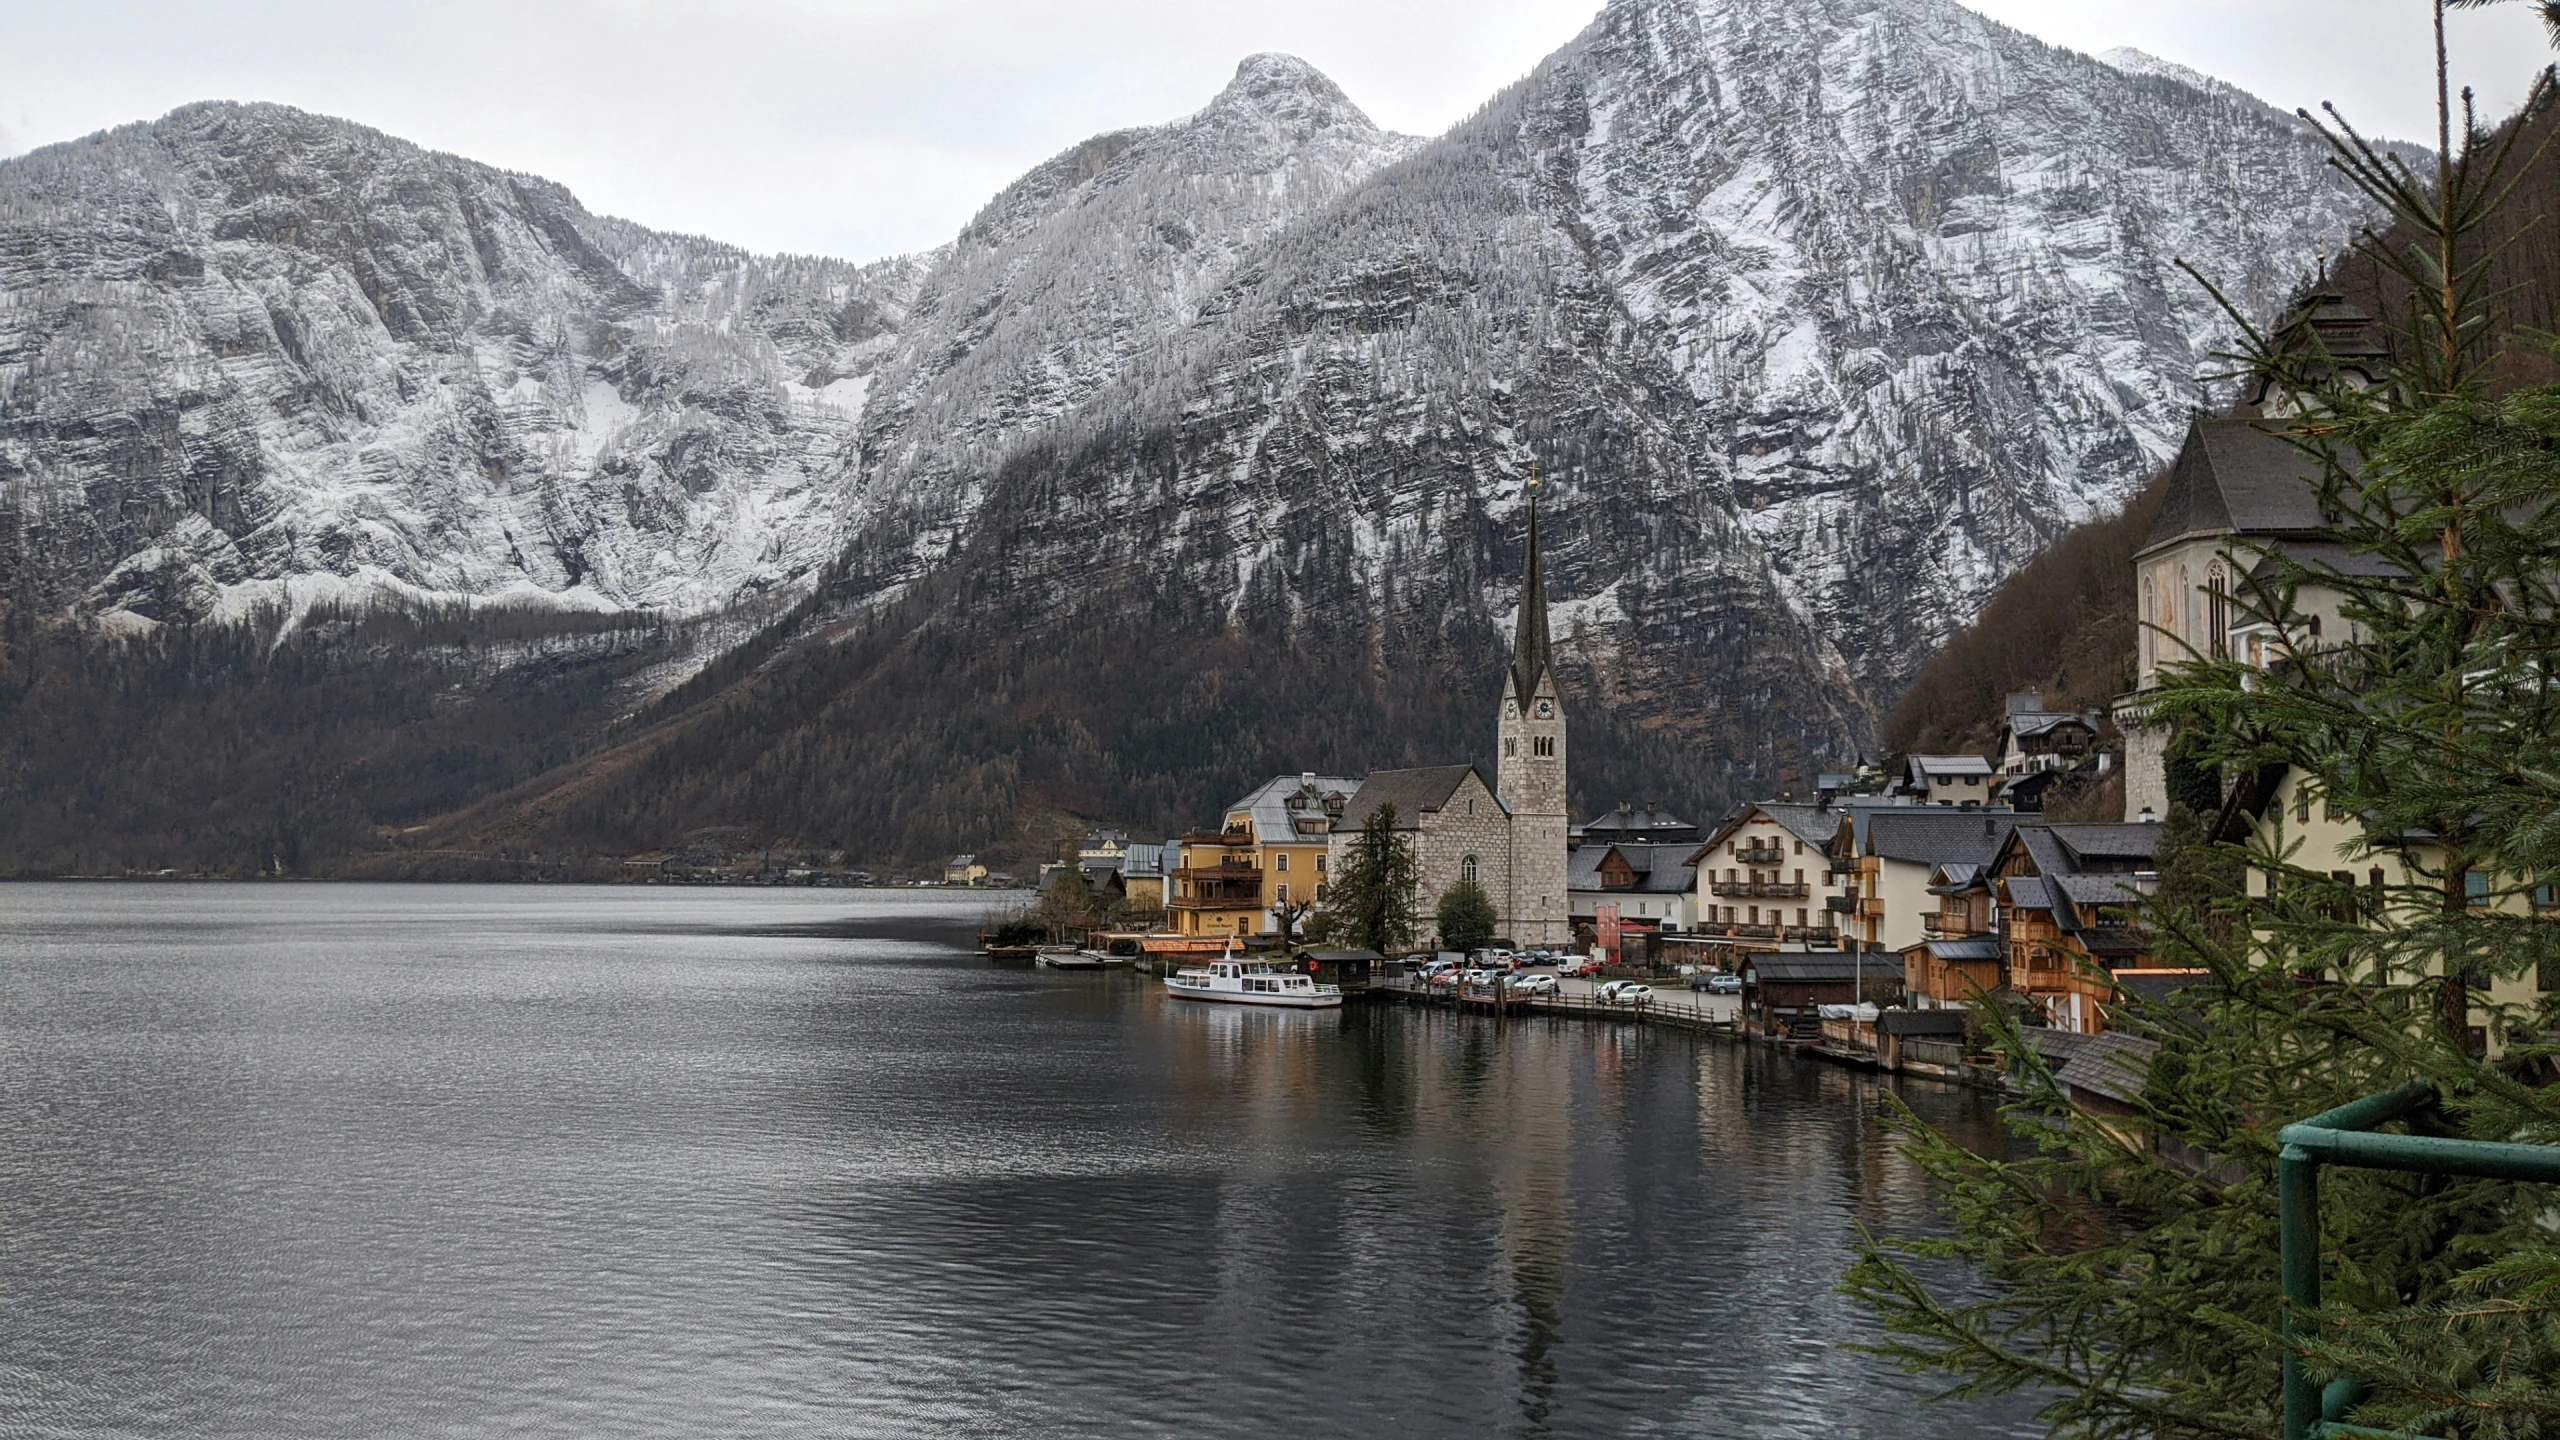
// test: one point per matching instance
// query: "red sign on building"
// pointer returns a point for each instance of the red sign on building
(1607, 930)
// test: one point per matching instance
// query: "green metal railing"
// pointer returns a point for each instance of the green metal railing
(2344, 1136)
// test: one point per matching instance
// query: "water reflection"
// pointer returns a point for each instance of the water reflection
(306, 1161)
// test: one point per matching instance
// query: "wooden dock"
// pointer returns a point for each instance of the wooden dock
(1677, 1009)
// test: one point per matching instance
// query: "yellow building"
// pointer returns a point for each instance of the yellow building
(1268, 852)
(2289, 813)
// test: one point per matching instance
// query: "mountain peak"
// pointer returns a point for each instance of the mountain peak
(1287, 90)
(2124, 59)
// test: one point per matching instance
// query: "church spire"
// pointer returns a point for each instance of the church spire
(1529, 639)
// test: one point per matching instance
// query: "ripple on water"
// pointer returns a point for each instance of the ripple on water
(368, 1160)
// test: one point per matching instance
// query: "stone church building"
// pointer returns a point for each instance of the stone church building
(1508, 837)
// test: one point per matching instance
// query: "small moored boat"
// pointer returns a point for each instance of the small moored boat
(1068, 957)
(1240, 982)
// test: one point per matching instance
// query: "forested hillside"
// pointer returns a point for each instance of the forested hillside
(2063, 625)
(256, 746)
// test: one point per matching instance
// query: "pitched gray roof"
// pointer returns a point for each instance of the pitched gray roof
(1817, 969)
(2323, 555)
(2085, 890)
(1971, 947)
(1949, 765)
(1661, 869)
(1816, 825)
(2114, 1064)
(1410, 791)
(2081, 868)
(1269, 805)
(2038, 722)
(2027, 892)
(1930, 835)
(2238, 477)
(1628, 820)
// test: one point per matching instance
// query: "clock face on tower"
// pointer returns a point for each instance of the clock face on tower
(1546, 709)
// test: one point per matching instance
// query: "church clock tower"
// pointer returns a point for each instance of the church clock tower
(1532, 771)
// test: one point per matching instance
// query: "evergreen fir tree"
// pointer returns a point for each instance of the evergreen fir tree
(1466, 917)
(2132, 1262)
(1370, 901)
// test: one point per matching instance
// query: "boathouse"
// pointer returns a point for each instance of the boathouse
(1783, 992)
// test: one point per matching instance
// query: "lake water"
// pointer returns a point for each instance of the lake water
(301, 1160)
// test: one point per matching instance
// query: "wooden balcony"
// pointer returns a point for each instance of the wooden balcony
(1759, 889)
(1216, 887)
(1769, 856)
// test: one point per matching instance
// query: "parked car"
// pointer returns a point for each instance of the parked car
(1724, 984)
(1576, 968)
(1539, 983)
(1624, 992)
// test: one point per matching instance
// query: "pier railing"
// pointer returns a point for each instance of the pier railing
(2348, 1136)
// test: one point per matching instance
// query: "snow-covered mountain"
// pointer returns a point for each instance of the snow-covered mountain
(1820, 316)
(1099, 267)
(252, 356)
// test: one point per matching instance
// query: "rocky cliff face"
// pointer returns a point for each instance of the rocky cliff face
(1820, 318)
(1817, 317)
(251, 356)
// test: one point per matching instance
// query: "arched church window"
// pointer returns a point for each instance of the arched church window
(1467, 869)
(2217, 612)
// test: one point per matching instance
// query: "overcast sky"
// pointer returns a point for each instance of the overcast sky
(868, 127)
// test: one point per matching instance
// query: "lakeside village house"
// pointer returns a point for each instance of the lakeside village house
(1943, 886)
(1991, 899)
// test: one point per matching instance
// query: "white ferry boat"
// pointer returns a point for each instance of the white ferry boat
(1241, 982)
